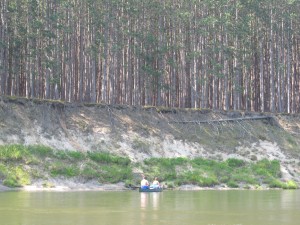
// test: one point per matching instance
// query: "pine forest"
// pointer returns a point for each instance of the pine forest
(214, 54)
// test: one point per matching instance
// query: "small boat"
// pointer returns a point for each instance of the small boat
(151, 190)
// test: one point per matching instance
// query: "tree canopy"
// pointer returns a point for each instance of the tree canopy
(219, 54)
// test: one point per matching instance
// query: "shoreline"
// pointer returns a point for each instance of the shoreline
(63, 188)
(120, 187)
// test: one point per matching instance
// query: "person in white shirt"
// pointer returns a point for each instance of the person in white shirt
(144, 183)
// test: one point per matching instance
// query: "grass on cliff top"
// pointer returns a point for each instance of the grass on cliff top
(19, 165)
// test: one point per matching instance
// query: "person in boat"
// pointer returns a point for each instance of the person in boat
(155, 183)
(144, 183)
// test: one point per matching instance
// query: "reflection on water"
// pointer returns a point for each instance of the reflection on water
(149, 210)
(150, 200)
(144, 200)
(155, 200)
(134, 208)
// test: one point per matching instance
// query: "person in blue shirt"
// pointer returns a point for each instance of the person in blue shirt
(155, 183)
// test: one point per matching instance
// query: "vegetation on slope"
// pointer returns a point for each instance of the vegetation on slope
(207, 173)
(20, 165)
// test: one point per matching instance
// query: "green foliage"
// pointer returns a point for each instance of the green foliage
(179, 161)
(208, 181)
(235, 162)
(11, 182)
(197, 178)
(3, 171)
(63, 155)
(232, 184)
(291, 185)
(14, 176)
(109, 168)
(222, 171)
(69, 155)
(274, 183)
(40, 150)
(243, 176)
(104, 166)
(204, 162)
(22, 176)
(115, 174)
(204, 172)
(165, 168)
(13, 152)
(129, 183)
(76, 155)
(166, 162)
(62, 169)
(104, 157)
(89, 172)
(267, 168)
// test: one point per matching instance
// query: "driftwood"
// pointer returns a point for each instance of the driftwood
(225, 120)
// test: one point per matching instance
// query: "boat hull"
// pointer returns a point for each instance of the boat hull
(151, 190)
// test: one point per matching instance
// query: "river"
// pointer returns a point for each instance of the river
(207, 207)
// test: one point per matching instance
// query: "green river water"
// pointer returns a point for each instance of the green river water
(208, 207)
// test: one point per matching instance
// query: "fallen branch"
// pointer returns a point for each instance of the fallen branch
(225, 120)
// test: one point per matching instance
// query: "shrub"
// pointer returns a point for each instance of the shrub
(168, 175)
(198, 178)
(169, 185)
(40, 150)
(11, 182)
(190, 177)
(291, 185)
(179, 161)
(3, 171)
(22, 175)
(243, 174)
(222, 170)
(76, 155)
(267, 168)
(232, 184)
(224, 179)
(13, 152)
(61, 155)
(129, 183)
(114, 174)
(235, 162)
(204, 162)
(274, 183)
(104, 157)
(64, 170)
(89, 172)
(162, 162)
(207, 181)
(16, 177)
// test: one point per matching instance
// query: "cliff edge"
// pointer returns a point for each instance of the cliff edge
(145, 132)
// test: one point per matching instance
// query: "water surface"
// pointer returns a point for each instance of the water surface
(245, 207)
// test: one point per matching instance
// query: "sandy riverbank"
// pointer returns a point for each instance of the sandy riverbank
(69, 186)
